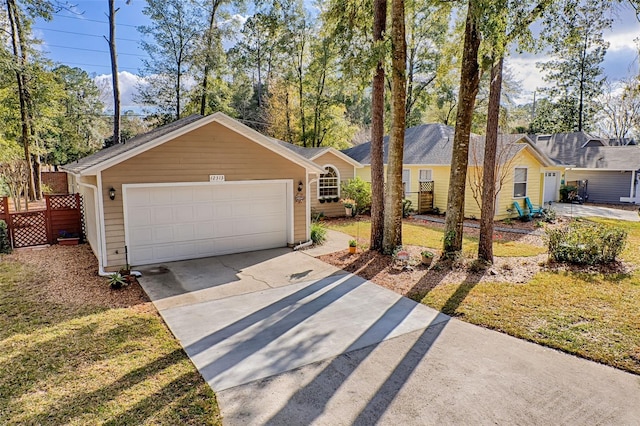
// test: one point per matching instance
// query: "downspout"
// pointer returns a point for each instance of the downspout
(101, 271)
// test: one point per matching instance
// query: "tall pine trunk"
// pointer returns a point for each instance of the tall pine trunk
(469, 80)
(114, 72)
(208, 56)
(485, 245)
(377, 128)
(20, 56)
(393, 194)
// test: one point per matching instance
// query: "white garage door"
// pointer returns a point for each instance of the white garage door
(176, 222)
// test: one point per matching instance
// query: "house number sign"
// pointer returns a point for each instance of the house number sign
(216, 178)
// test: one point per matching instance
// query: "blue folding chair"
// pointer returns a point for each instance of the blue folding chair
(521, 214)
(533, 211)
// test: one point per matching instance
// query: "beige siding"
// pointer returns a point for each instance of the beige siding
(346, 171)
(208, 150)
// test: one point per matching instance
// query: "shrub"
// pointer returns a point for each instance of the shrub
(318, 233)
(353, 243)
(586, 243)
(5, 244)
(359, 191)
(406, 207)
(565, 190)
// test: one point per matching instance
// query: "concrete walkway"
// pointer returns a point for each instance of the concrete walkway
(286, 339)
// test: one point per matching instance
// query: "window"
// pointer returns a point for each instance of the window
(520, 182)
(406, 181)
(425, 175)
(329, 183)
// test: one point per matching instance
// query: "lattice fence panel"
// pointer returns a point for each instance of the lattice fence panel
(83, 223)
(426, 186)
(4, 206)
(29, 229)
(61, 202)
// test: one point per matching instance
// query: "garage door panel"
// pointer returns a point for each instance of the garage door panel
(163, 234)
(204, 211)
(158, 197)
(162, 215)
(140, 216)
(188, 221)
(184, 213)
(223, 193)
(143, 235)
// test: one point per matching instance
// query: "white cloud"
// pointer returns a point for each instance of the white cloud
(128, 88)
(523, 68)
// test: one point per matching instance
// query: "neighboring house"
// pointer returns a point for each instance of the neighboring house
(608, 174)
(201, 186)
(427, 166)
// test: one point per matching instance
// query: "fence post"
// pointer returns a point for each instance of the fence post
(50, 237)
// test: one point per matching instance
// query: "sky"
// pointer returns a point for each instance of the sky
(76, 38)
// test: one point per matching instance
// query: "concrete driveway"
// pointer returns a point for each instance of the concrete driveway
(286, 339)
(586, 210)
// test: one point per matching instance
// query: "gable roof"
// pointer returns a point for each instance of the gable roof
(582, 150)
(313, 153)
(116, 154)
(432, 144)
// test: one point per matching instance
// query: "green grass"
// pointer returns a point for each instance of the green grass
(68, 364)
(431, 237)
(595, 316)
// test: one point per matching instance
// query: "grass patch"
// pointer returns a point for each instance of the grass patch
(69, 364)
(593, 316)
(431, 237)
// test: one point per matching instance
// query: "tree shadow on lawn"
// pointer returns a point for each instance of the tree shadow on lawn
(434, 277)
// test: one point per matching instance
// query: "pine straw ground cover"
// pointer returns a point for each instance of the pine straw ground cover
(76, 352)
(590, 312)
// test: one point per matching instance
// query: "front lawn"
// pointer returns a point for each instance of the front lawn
(591, 313)
(72, 363)
(431, 236)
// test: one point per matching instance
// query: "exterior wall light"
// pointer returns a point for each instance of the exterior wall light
(112, 193)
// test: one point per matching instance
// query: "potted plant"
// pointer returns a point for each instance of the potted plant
(352, 246)
(322, 200)
(427, 257)
(348, 204)
(68, 239)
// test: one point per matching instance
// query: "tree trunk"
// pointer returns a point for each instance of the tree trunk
(485, 246)
(23, 91)
(377, 129)
(114, 72)
(207, 57)
(469, 80)
(393, 194)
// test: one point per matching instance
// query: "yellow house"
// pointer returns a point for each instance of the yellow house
(523, 170)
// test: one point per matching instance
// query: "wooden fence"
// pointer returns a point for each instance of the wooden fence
(44, 226)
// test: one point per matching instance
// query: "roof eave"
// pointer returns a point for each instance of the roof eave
(340, 155)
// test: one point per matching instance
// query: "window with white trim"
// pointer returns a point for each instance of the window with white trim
(519, 182)
(329, 183)
(406, 181)
(425, 175)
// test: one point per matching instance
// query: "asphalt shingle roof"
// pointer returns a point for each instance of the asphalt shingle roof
(432, 144)
(583, 150)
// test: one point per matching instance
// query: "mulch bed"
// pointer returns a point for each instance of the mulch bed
(70, 276)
